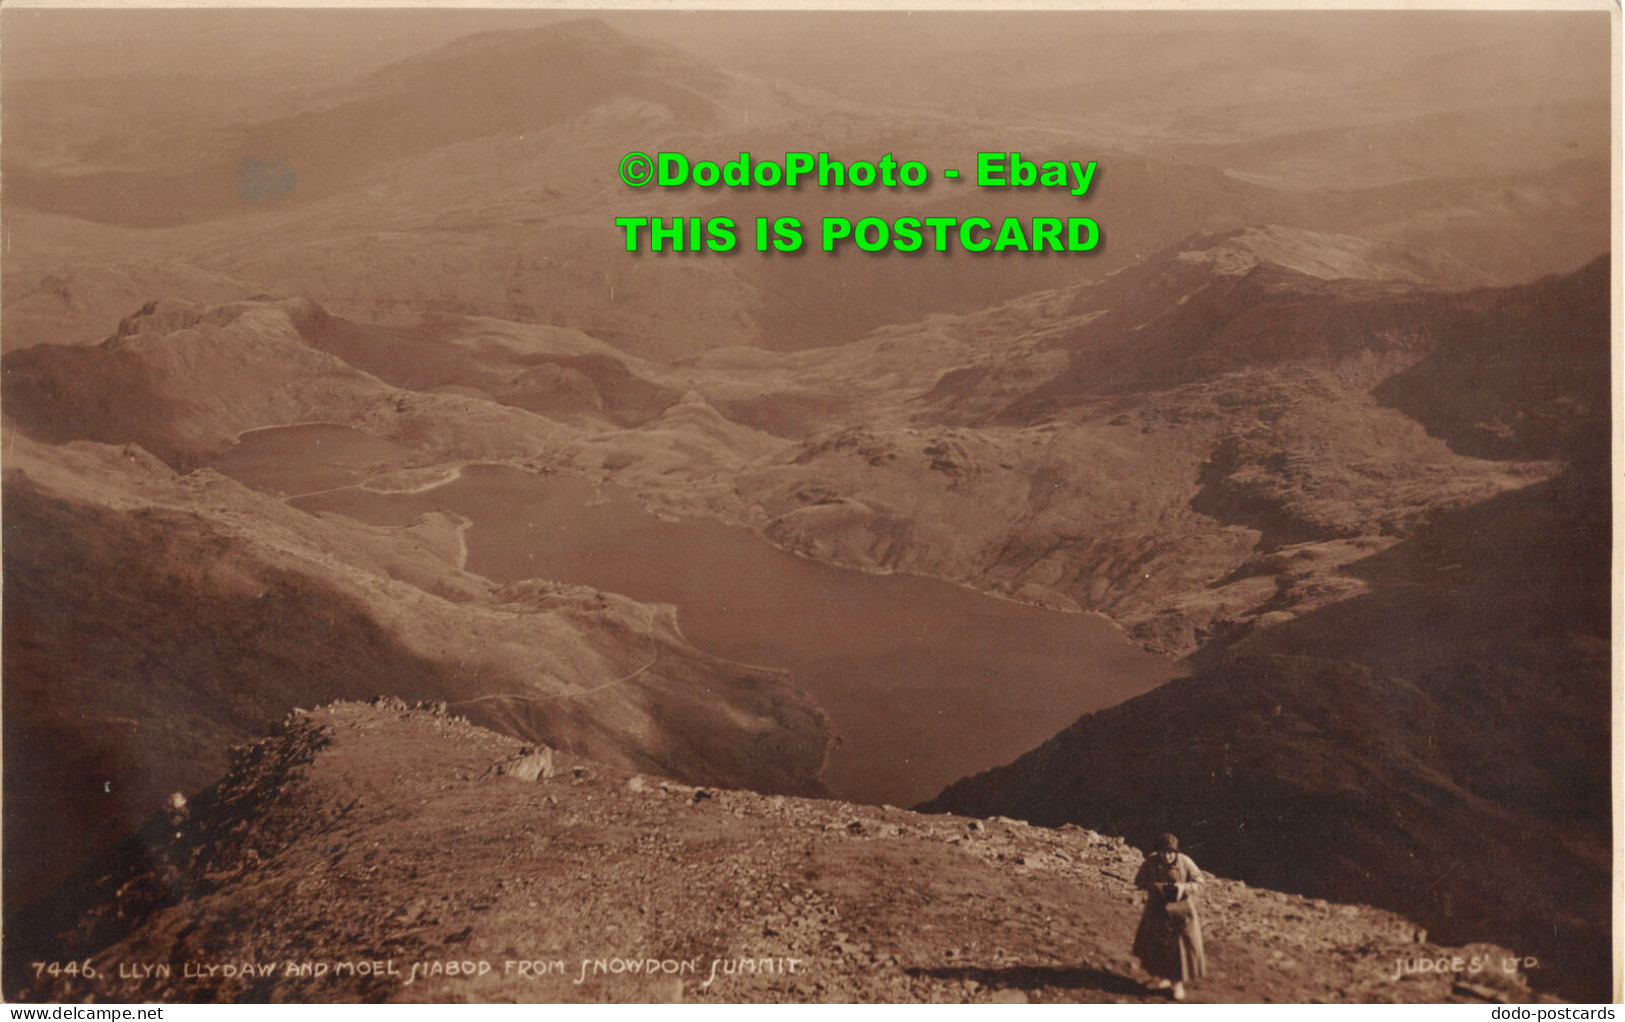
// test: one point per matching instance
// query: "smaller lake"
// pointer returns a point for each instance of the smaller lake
(303, 459)
(924, 681)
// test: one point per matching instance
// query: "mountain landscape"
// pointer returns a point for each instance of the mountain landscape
(1281, 521)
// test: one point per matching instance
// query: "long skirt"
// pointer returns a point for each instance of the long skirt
(1169, 946)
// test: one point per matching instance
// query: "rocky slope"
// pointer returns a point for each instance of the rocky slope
(1350, 493)
(152, 618)
(1461, 778)
(316, 870)
(1147, 446)
(184, 381)
(1438, 743)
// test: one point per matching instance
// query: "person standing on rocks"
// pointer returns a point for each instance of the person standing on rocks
(1169, 940)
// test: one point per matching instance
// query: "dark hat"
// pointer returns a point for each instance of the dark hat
(1168, 843)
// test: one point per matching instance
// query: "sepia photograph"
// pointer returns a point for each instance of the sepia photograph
(998, 505)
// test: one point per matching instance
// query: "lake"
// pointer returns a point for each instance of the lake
(924, 681)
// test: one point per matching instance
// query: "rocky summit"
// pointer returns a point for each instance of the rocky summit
(579, 882)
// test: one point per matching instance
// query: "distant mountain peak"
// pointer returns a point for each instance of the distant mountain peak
(588, 31)
(587, 27)
(615, 53)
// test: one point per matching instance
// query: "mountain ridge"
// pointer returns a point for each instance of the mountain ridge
(1331, 754)
(341, 815)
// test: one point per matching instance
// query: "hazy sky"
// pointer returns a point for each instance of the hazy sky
(303, 46)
